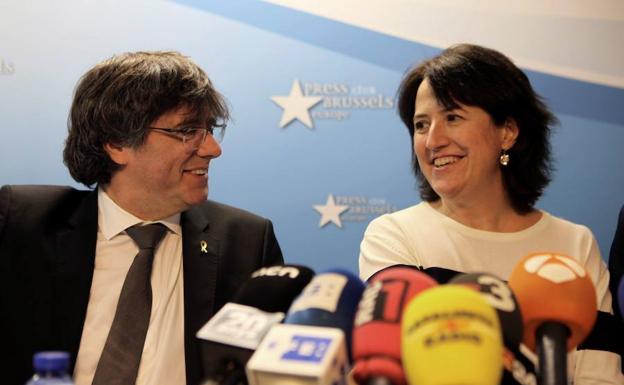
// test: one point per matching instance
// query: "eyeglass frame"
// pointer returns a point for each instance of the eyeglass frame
(178, 133)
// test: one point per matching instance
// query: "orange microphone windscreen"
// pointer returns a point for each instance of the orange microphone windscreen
(554, 288)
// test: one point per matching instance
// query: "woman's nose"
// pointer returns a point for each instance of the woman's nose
(436, 136)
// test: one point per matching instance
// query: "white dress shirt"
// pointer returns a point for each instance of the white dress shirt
(162, 361)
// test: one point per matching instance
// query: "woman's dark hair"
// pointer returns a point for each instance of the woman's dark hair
(118, 99)
(485, 78)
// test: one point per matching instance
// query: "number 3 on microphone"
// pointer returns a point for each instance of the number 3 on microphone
(498, 294)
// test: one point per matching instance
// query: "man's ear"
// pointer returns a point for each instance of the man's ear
(118, 154)
(509, 134)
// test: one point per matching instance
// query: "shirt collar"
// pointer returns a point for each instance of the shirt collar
(112, 219)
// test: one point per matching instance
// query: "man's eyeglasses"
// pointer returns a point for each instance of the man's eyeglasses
(193, 137)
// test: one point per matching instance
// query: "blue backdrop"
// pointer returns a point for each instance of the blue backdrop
(315, 143)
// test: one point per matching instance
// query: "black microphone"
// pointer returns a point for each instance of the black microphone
(231, 336)
(519, 369)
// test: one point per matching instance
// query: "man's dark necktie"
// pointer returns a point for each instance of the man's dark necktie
(119, 362)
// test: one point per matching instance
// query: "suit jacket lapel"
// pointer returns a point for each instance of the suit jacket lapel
(200, 264)
(73, 273)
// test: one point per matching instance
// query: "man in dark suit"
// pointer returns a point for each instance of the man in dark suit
(616, 271)
(143, 130)
(616, 263)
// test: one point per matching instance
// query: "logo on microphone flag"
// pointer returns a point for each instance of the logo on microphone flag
(555, 268)
(307, 348)
(239, 325)
(299, 354)
(323, 292)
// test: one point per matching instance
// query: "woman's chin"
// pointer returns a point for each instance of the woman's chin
(446, 191)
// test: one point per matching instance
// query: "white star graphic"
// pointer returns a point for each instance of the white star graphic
(296, 106)
(330, 212)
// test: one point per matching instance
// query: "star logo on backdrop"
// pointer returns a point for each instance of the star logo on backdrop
(296, 106)
(330, 212)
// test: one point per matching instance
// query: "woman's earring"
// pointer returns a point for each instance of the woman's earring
(504, 158)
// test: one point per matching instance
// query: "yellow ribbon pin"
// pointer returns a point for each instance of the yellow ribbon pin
(203, 247)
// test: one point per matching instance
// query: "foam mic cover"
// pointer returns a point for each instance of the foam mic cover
(559, 309)
(329, 300)
(451, 335)
(377, 328)
(273, 289)
(621, 296)
(552, 287)
(229, 338)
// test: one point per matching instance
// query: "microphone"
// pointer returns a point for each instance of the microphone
(501, 298)
(451, 335)
(311, 346)
(235, 331)
(282, 283)
(559, 309)
(377, 328)
(329, 300)
(518, 368)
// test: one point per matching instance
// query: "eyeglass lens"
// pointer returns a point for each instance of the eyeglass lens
(197, 137)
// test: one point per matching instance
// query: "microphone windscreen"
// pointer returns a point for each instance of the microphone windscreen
(554, 288)
(329, 300)
(273, 289)
(451, 335)
(377, 328)
(498, 294)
